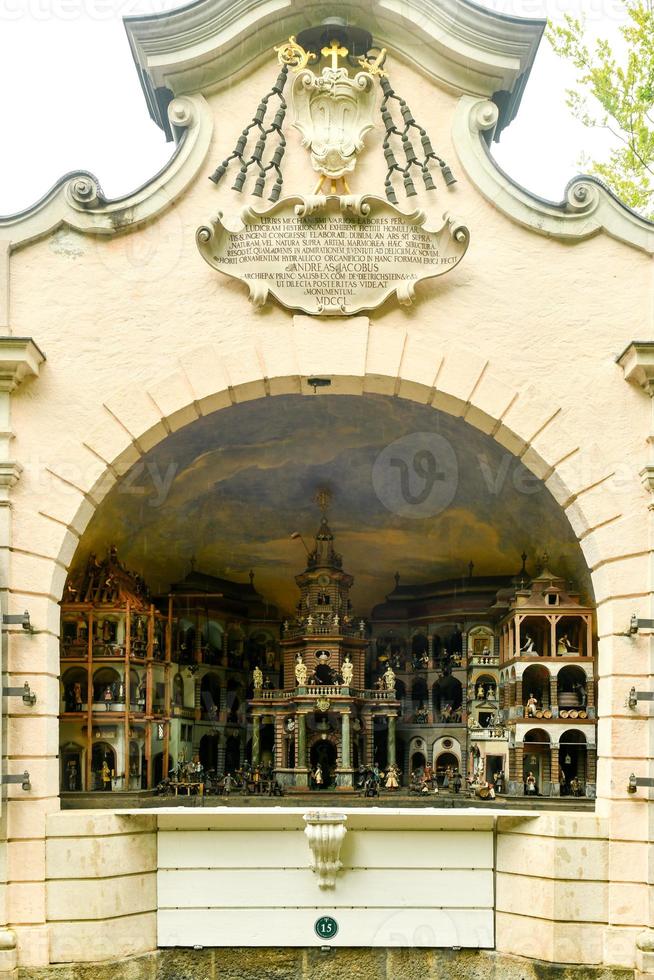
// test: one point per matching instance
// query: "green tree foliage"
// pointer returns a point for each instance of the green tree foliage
(616, 92)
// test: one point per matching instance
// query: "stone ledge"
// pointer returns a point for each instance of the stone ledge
(310, 964)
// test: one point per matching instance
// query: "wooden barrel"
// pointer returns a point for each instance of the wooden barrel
(563, 714)
(574, 714)
(568, 699)
(547, 713)
(583, 714)
(539, 714)
(483, 792)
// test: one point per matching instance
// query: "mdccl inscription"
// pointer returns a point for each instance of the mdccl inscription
(332, 254)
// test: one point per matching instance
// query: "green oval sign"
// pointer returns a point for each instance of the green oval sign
(326, 927)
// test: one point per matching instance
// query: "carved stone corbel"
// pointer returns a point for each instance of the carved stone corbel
(325, 833)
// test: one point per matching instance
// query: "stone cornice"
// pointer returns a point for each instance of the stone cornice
(20, 358)
(462, 46)
(587, 208)
(77, 200)
(637, 362)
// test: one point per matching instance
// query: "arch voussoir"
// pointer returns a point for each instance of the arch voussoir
(208, 379)
(383, 358)
(174, 399)
(459, 375)
(334, 348)
(110, 441)
(244, 369)
(135, 411)
(418, 371)
(489, 403)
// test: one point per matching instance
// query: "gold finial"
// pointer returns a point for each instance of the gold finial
(293, 54)
(374, 67)
(335, 51)
(323, 499)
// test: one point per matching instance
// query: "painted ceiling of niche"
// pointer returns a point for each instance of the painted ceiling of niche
(230, 489)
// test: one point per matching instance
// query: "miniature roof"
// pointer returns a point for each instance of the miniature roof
(464, 47)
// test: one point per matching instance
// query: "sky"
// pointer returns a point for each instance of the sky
(72, 100)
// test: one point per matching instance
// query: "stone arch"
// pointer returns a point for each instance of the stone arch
(457, 383)
(178, 691)
(572, 686)
(74, 689)
(536, 682)
(210, 690)
(446, 745)
(483, 677)
(362, 358)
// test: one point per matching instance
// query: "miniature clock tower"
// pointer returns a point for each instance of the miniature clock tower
(324, 632)
(324, 717)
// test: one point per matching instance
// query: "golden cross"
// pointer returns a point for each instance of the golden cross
(336, 52)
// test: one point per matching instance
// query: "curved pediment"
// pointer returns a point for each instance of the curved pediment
(464, 47)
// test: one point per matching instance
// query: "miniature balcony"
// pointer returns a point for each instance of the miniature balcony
(494, 733)
(323, 629)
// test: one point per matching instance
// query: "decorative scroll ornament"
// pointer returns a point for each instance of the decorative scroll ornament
(335, 254)
(325, 833)
(333, 112)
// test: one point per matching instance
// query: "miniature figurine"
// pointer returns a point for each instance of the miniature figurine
(71, 771)
(77, 696)
(564, 647)
(317, 776)
(392, 777)
(300, 671)
(422, 715)
(457, 782)
(480, 692)
(107, 697)
(257, 677)
(389, 678)
(530, 784)
(532, 705)
(227, 784)
(105, 776)
(528, 646)
(347, 670)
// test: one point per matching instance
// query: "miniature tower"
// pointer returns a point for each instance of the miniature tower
(547, 688)
(324, 716)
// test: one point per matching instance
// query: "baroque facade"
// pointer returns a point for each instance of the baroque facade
(225, 364)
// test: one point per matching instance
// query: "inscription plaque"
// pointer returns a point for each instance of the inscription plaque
(332, 254)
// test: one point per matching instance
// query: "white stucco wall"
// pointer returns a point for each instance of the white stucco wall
(141, 338)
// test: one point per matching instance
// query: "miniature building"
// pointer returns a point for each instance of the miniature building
(547, 689)
(325, 718)
(442, 641)
(145, 690)
(116, 677)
